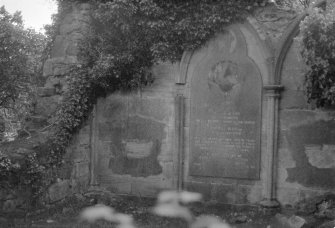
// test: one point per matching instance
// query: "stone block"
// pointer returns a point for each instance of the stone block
(155, 108)
(80, 185)
(58, 66)
(69, 27)
(59, 191)
(82, 169)
(248, 194)
(64, 172)
(306, 195)
(204, 188)
(289, 118)
(46, 106)
(290, 222)
(47, 68)
(59, 46)
(169, 170)
(143, 188)
(224, 193)
(46, 91)
(52, 82)
(293, 99)
(80, 153)
(288, 196)
(120, 187)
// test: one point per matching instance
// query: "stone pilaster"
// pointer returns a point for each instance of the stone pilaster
(272, 93)
(93, 155)
(179, 123)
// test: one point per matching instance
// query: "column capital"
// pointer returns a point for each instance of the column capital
(273, 90)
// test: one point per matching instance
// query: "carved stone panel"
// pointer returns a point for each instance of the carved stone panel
(225, 110)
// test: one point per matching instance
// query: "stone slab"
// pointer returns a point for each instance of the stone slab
(226, 111)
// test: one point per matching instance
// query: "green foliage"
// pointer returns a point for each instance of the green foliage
(20, 63)
(18, 175)
(317, 41)
(21, 53)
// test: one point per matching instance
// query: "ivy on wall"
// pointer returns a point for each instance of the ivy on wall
(317, 41)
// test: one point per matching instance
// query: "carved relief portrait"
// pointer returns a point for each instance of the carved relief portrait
(224, 77)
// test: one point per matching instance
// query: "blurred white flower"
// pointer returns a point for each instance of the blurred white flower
(172, 210)
(189, 197)
(92, 214)
(184, 197)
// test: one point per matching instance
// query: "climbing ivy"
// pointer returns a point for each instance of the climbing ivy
(317, 41)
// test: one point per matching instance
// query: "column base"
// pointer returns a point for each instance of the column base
(270, 203)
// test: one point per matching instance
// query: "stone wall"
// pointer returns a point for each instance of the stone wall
(134, 138)
(252, 144)
(306, 141)
(147, 141)
(74, 175)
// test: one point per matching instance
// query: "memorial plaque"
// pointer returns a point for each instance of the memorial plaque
(225, 110)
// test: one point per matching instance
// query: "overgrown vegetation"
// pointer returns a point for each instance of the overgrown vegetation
(20, 62)
(21, 54)
(317, 41)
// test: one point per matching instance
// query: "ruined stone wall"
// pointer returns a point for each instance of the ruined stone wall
(74, 175)
(134, 138)
(306, 141)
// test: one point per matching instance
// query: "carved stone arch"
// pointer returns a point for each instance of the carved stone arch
(258, 51)
(287, 40)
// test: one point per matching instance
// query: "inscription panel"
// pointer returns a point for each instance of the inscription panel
(225, 111)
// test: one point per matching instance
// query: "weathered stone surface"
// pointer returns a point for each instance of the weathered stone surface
(204, 188)
(11, 204)
(135, 147)
(248, 194)
(58, 66)
(46, 106)
(271, 22)
(224, 193)
(145, 188)
(321, 205)
(121, 187)
(225, 111)
(46, 91)
(329, 224)
(59, 46)
(290, 222)
(82, 169)
(301, 140)
(59, 191)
